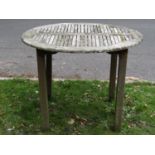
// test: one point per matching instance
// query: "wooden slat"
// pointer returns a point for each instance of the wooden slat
(97, 40)
(74, 41)
(77, 40)
(51, 40)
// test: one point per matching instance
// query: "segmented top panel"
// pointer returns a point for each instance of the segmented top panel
(81, 37)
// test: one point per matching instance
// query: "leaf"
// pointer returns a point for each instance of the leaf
(152, 115)
(10, 129)
(77, 117)
(71, 121)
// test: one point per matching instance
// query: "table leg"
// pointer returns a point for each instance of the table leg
(49, 74)
(120, 88)
(43, 89)
(112, 81)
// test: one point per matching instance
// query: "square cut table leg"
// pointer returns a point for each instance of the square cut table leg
(43, 89)
(120, 88)
(112, 83)
(49, 74)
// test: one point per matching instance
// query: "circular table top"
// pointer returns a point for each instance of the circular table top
(81, 37)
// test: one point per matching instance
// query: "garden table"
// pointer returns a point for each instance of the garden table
(82, 38)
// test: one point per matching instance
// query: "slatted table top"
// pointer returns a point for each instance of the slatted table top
(81, 37)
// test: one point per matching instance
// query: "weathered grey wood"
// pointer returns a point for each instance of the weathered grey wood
(43, 89)
(112, 81)
(49, 74)
(120, 89)
(81, 37)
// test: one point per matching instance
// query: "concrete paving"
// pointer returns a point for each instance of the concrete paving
(17, 59)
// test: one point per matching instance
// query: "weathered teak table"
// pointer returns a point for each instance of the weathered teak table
(82, 38)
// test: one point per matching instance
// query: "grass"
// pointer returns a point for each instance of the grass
(77, 107)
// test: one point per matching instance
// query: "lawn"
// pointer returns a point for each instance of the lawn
(77, 107)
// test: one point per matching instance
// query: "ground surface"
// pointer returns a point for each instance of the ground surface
(19, 59)
(77, 107)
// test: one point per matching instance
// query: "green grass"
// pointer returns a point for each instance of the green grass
(77, 107)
